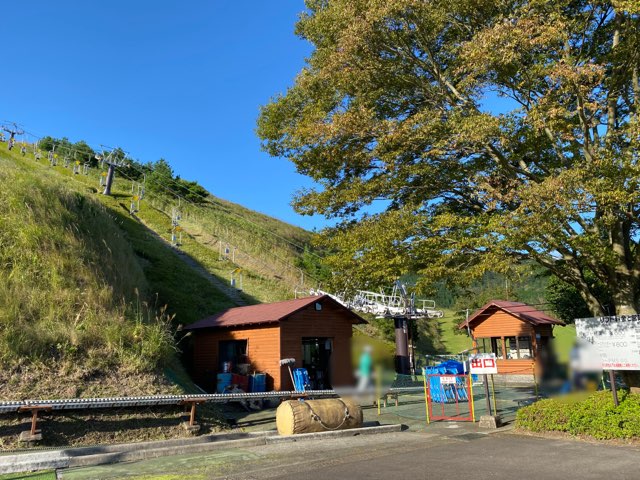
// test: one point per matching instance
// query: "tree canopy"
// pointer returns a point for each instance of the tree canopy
(456, 137)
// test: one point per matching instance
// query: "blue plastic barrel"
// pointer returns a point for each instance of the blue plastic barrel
(258, 382)
(224, 380)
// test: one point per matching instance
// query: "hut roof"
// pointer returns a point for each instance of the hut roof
(266, 313)
(524, 312)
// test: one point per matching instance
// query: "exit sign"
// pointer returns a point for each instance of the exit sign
(483, 364)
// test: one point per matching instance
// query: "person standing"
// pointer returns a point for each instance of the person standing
(364, 369)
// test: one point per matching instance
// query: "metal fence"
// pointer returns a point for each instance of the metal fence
(415, 400)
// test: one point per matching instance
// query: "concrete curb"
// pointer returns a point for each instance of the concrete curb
(302, 437)
(89, 456)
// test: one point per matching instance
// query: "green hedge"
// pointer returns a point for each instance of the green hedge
(581, 414)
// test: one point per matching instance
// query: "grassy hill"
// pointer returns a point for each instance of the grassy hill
(91, 296)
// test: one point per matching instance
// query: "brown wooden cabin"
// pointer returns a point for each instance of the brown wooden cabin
(315, 331)
(517, 333)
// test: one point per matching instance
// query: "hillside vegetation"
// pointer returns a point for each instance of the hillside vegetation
(92, 296)
(71, 293)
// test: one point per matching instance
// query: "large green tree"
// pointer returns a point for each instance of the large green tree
(483, 132)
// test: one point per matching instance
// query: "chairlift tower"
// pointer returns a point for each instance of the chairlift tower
(399, 306)
(403, 360)
(236, 279)
(176, 229)
(113, 162)
(12, 129)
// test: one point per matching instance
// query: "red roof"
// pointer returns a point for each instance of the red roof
(264, 313)
(524, 312)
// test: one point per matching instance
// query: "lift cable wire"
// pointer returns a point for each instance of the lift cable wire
(195, 205)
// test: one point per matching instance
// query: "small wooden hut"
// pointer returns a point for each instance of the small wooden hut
(517, 333)
(315, 331)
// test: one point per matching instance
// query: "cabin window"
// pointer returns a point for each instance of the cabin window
(511, 347)
(514, 347)
(231, 353)
(518, 347)
(496, 347)
(490, 345)
(524, 347)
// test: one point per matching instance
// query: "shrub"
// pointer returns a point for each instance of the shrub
(580, 414)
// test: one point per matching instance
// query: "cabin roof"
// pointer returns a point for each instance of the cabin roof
(522, 311)
(266, 313)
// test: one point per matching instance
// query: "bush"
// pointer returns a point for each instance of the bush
(580, 414)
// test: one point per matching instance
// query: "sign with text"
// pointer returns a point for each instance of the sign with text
(483, 364)
(448, 380)
(616, 340)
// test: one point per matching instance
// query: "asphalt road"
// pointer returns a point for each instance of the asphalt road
(406, 455)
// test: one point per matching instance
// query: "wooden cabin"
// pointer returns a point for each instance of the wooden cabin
(315, 331)
(517, 333)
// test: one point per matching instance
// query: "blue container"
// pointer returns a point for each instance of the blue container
(258, 382)
(224, 380)
(301, 379)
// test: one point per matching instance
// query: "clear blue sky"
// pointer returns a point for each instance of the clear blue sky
(159, 78)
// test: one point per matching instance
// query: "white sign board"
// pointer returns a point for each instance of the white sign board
(447, 380)
(616, 340)
(483, 364)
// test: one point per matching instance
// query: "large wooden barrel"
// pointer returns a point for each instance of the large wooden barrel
(308, 416)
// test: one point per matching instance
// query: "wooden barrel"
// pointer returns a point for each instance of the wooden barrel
(308, 416)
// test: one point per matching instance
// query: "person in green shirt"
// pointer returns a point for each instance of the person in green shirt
(364, 369)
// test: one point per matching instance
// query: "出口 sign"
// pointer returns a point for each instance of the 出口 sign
(616, 339)
(483, 364)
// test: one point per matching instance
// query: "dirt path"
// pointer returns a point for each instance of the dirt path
(233, 294)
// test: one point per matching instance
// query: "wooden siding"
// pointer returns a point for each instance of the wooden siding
(501, 324)
(330, 322)
(263, 351)
(515, 367)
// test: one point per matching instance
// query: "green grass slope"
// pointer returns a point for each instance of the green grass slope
(88, 288)
(266, 249)
(82, 291)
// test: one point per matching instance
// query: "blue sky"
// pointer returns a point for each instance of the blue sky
(178, 80)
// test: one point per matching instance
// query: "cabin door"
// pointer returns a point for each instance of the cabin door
(316, 358)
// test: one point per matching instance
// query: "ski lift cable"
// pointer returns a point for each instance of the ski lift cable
(196, 206)
(194, 192)
(173, 192)
(260, 262)
(207, 198)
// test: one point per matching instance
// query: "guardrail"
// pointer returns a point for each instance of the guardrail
(36, 406)
(151, 400)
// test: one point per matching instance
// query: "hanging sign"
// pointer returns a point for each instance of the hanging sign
(483, 364)
(615, 339)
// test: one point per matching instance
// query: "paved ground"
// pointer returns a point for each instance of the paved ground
(410, 410)
(417, 455)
